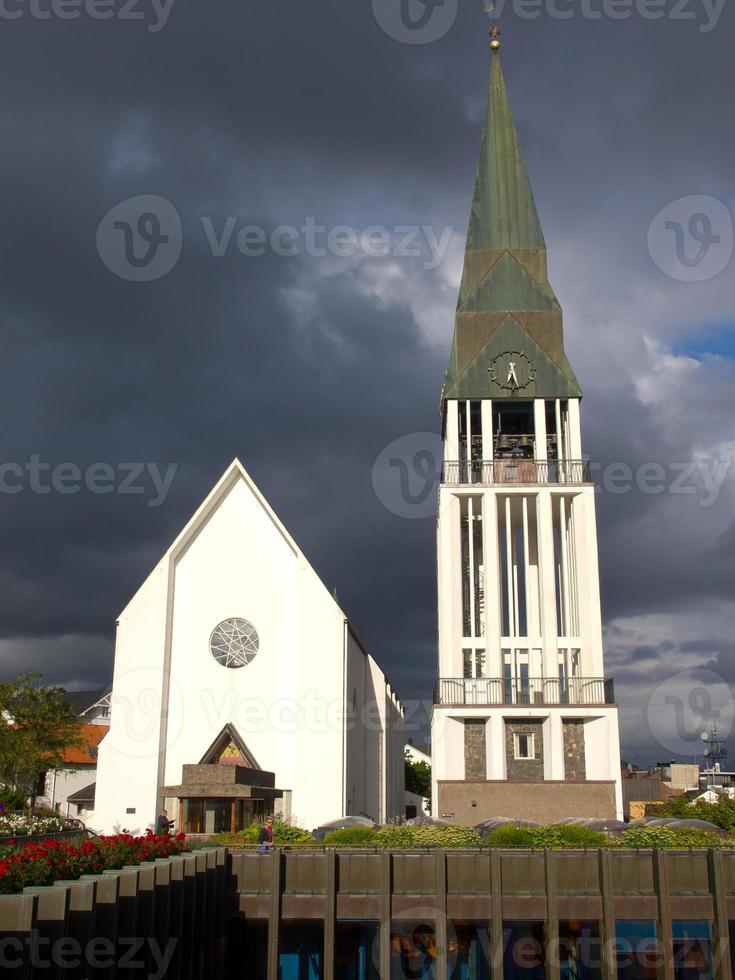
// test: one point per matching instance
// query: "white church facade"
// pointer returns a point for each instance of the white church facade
(524, 719)
(240, 687)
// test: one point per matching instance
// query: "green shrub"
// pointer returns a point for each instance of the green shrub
(552, 837)
(721, 812)
(404, 836)
(12, 799)
(667, 837)
(573, 835)
(446, 836)
(283, 833)
(352, 837)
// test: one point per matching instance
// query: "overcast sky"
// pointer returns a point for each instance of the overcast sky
(308, 365)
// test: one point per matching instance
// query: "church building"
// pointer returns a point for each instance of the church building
(524, 720)
(241, 689)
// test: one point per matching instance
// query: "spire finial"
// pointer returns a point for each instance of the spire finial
(494, 33)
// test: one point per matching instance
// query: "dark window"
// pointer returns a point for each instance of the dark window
(40, 787)
(523, 951)
(692, 949)
(413, 950)
(524, 747)
(357, 951)
(731, 928)
(300, 955)
(636, 949)
(247, 942)
(579, 950)
(468, 950)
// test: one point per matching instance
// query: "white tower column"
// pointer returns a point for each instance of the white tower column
(493, 611)
(539, 426)
(575, 429)
(548, 583)
(449, 559)
(451, 433)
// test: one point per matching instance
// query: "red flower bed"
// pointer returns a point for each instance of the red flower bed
(53, 860)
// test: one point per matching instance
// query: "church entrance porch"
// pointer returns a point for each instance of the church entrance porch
(224, 792)
(216, 798)
(219, 816)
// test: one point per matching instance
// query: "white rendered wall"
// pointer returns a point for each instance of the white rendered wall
(171, 698)
(128, 756)
(286, 704)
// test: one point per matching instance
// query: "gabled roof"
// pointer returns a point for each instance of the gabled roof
(80, 701)
(505, 272)
(86, 754)
(229, 736)
(234, 472)
(84, 795)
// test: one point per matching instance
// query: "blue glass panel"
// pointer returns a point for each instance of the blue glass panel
(580, 954)
(692, 949)
(413, 951)
(357, 951)
(300, 951)
(468, 950)
(523, 951)
(636, 949)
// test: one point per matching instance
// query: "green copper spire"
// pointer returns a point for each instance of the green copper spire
(503, 210)
(505, 300)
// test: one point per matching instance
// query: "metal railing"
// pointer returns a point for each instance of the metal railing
(532, 691)
(516, 471)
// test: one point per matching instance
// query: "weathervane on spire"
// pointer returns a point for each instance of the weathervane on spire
(489, 6)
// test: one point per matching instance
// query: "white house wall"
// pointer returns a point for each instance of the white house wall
(61, 783)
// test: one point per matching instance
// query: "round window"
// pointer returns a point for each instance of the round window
(234, 642)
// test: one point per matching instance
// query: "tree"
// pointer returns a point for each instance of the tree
(38, 725)
(721, 812)
(418, 776)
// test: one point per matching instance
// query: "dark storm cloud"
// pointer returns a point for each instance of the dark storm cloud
(306, 367)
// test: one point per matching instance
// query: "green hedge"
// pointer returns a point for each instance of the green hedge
(553, 837)
(668, 838)
(283, 833)
(410, 836)
(404, 836)
(351, 837)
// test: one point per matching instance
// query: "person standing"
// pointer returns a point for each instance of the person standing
(265, 837)
(163, 824)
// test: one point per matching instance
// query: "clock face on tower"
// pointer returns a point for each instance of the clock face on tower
(512, 370)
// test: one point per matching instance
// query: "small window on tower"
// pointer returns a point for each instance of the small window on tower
(523, 747)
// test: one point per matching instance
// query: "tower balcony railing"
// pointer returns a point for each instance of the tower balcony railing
(530, 691)
(519, 471)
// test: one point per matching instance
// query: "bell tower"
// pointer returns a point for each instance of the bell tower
(524, 722)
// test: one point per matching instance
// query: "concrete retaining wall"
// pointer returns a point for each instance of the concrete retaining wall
(164, 918)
